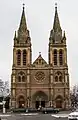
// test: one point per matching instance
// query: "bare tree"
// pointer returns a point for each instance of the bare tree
(4, 88)
(74, 96)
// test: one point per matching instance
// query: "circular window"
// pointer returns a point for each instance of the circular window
(39, 76)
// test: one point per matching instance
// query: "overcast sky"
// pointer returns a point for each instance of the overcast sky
(39, 17)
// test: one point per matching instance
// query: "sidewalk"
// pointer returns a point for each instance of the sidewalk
(29, 114)
(62, 114)
(65, 112)
(5, 115)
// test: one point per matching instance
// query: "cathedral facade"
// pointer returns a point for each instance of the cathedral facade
(40, 84)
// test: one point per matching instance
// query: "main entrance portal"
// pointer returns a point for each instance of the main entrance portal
(40, 99)
(39, 104)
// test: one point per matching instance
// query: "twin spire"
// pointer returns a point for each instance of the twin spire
(56, 25)
(54, 32)
(23, 25)
(23, 36)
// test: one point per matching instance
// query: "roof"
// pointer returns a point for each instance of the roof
(39, 61)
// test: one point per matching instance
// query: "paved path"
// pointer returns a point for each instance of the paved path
(35, 116)
(60, 115)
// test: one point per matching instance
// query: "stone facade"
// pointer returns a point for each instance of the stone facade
(40, 84)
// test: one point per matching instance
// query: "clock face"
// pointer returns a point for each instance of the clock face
(39, 76)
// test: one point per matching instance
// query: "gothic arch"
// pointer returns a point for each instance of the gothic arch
(58, 77)
(59, 101)
(21, 76)
(24, 57)
(21, 73)
(55, 56)
(61, 57)
(58, 73)
(40, 95)
(59, 97)
(18, 57)
(21, 101)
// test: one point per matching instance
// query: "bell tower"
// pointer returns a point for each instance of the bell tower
(22, 59)
(22, 44)
(57, 58)
(57, 44)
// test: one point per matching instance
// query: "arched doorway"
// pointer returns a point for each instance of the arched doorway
(40, 99)
(59, 101)
(21, 102)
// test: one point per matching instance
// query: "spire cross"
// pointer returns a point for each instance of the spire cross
(39, 53)
(56, 6)
(23, 5)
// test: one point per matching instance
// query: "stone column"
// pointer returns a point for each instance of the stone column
(51, 96)
(28, 88)
(13, 104)
(14, 57)
(51, 56)
(57, 57)
(28, 56)
(21, 57)
(65, 56)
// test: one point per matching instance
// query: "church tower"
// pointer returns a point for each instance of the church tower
(22, 58)
(57, 58)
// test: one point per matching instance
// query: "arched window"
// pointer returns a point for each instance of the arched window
(60, 78)
(19, 78)
(55, 57)
(24, 57)
(23, 78)
(56, 78)
(18, 57)
(61, 57)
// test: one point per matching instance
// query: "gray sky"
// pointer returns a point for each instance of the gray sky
(40, 16)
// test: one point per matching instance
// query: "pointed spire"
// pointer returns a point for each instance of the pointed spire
(39, 53)
(23, 26)
(56, 25)
(15, 36)
(64, 36)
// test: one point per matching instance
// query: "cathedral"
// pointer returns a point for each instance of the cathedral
(40, 83)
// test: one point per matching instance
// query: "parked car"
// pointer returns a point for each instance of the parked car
(73, 115)
(31, 110)
(49, 110)
(19, 110)
(24, 110)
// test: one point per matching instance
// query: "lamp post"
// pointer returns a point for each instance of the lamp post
(4, 106)
(3, 90)
(28, 101)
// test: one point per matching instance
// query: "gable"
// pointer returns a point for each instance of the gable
(40, 61)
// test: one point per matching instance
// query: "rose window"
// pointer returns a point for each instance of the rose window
(39, 76)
